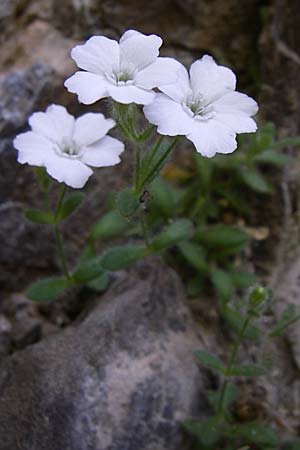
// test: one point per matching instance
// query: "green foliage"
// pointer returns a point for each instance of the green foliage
(100, 283)
(109, 226)
(230, 396)
(48, 288)
(289, 316)
(247, 370)
(222, 237)
(223, 285)
(209, 360)
(207, 432)
(69, 205)
(178, 231)
(88, 269)
(127, 202)
(42, 217)
(120, 257)
(254, 433)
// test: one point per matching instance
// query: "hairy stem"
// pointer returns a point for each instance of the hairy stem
(234, 351)
(57, 233)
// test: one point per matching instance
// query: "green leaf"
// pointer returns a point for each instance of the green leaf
(235, 321)
(119, 257)
(255, 180)
(100, 283)
(254, 433)
(154, 160)
(164, 197)
(209, 360)
(172, 234)
(39, 216)
(230, 396)
(288, 142)
(223, 285)
(145, 135)
(48, 288)
(43, 178)
(288, 317)
(110, 225)
(273, 157)
(195, 255)
(242, 279)
(88, 269)
(207, 432)
(247, 370)
(204, 167)
(127, 202)
(221, 237)
(69, 205)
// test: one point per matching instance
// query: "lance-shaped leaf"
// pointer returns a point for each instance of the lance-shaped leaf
(209, 360)
(69, 205)
(36, 216)
(119, 257)
(180, 230)
(247, 370)
(110, 225)
(48, 288)
(127, 202)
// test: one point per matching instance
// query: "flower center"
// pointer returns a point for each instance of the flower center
(122, 76)
(68, 148)
(197, 107)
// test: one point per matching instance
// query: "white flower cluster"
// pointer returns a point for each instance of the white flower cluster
(201, 104)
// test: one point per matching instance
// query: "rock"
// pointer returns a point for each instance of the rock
(122, 378)
(22, 92)
(27, 249)
(5, 336)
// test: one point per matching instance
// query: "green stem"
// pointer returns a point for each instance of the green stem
(235, 349)
(145, 229)
(159, 162)
(58, 237)
(137, 168)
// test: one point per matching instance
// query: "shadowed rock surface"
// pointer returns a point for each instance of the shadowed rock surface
(122, 378)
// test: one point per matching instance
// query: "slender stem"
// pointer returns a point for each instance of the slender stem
(137, 168)
(58, 237)
(156, 147)
(235, 349)
(145, 228)
(60, 251)
(159, 162)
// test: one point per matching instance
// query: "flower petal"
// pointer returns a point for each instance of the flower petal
(162, 71)
(91, 127)
(210, 80)
(131, 94)
(236, 102)
(212, 137)
(138, 50)
(33, 148)
(54, 124)
(88, 86)
(98, 55)
(169, 116)
(69, 171)
(103, 153)
(180, 89)
(239, 123)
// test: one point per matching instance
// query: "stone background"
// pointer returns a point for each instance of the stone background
(260, 41)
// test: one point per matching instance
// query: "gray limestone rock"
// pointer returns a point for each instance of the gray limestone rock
(123, 377)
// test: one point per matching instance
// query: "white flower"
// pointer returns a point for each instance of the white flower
(204, 107)
(66, 146)
(126, 71)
